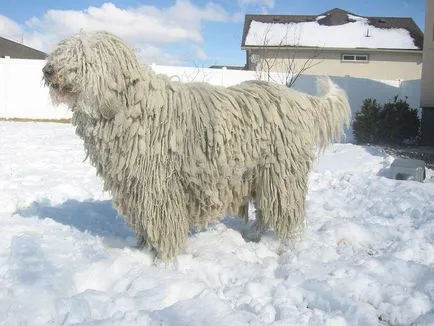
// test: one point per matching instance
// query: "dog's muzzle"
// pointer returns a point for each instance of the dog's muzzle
(50, 78)
(48, 72)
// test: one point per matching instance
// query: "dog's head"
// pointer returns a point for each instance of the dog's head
(92, 72)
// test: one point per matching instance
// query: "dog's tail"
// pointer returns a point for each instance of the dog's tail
(333, 114)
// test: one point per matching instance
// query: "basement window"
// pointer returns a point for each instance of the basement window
(355, 58)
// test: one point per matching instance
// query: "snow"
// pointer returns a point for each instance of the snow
(67, 258)
(349, 35)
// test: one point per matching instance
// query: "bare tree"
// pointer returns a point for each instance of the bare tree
(284, 69)
(198, 74)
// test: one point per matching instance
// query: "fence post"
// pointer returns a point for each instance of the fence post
(5, 76)
(2, 87)
(223, 76)
(399, 88)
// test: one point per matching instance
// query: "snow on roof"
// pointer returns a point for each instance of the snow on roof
(355, 34)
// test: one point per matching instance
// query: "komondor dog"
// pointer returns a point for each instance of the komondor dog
(177, 155)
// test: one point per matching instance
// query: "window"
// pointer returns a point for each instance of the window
(355, 58)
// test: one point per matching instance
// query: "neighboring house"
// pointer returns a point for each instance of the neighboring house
(427, 91)
(17, 50)
(335, 43)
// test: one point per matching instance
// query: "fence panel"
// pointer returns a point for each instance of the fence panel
(23, 95)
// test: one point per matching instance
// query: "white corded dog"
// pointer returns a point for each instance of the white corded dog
(178, 155)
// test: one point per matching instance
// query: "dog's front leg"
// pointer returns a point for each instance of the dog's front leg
(165, 227)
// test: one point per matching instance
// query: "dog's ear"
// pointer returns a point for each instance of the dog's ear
(112, 70)
(111, 104)
(106, 96)
(117, 97)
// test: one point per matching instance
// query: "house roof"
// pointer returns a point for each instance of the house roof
(335, 28)
(19, 51)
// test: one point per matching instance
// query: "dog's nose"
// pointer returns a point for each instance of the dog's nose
(48, 71)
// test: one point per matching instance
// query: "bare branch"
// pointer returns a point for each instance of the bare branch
(199, 74)
(290, 67)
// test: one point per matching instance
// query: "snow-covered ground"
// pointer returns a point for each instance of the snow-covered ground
(66, 258)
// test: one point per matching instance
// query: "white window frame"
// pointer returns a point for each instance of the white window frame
(360, 58)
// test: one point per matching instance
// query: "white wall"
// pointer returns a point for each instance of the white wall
(23, 95)
(22, 92)
(223, 77)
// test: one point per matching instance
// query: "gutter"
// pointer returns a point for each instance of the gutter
(278, 47)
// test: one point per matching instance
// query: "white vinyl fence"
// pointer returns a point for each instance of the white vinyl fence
(23, 94)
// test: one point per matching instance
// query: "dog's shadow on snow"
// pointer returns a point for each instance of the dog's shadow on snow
(97, 218)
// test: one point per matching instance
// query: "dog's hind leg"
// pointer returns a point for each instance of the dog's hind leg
(143, 243)
(280, 199)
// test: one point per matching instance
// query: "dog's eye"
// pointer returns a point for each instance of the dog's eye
(67, 88)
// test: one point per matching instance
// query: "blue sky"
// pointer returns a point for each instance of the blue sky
(187, 32)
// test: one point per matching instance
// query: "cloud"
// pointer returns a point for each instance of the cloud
(10, 28)
(178, 23)
(152, 54)
(200, 53)
(147, 28)
(260, 3)
(243, 5)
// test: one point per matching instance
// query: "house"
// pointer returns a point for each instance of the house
(335, 43)
(16, 50)
(427, 89)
